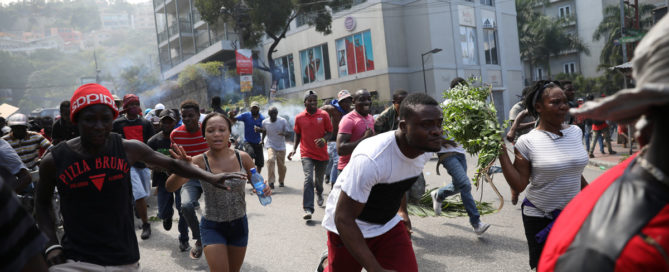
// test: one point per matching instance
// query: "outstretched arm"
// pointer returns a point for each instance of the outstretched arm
(44, 209)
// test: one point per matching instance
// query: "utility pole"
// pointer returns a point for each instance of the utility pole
(97, 72)
(622, 34)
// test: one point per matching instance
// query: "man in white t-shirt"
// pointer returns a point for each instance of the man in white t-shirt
(366, 217)
(275, 130)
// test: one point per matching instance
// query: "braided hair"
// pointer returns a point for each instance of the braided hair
(536, 95)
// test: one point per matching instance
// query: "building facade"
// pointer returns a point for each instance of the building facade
(381, 45)
(185, 39)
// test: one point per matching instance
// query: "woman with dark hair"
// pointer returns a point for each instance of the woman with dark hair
(224, 226)
(549, 162)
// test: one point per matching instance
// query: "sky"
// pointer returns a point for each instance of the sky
(4, 2)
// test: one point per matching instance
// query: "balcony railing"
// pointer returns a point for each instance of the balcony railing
(162, 36)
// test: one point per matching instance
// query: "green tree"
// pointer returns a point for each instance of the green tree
(541, 36)
(609, 29)
(254, 18)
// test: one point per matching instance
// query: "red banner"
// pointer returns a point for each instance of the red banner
(244, 62)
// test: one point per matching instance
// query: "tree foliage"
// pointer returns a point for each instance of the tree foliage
(542, 37)
(253, 19)
(609, 30)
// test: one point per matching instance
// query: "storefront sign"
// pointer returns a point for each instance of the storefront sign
(467, 16)
(349, 23)
(244, 62)
(245, 83)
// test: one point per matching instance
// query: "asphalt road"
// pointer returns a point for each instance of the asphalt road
(280, 240)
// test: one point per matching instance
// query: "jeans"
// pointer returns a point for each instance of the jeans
(190, 194)
(165, 211)
(598, 135)
(331, 170)
(309, 166)
(456, 165)
(587, 135)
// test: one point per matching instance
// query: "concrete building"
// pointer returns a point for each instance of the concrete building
(184, 39)
(111, 19)
(584, 17)
(378, 45)
(142, 17)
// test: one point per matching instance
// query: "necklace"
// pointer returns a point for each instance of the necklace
(652, 169)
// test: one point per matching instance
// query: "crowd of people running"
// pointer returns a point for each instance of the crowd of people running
(103, 156)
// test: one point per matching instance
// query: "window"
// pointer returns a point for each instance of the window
(315, 64)
(540, 73)
(570, 68)
(468, 45)
(490, 46)
(487, 2)
(355, 54)
(564, 12)
(336, 9)
(284, 72)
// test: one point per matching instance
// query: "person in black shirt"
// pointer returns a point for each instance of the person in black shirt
(92, 173)
(132, 126)
(63, 129)
(161, 143)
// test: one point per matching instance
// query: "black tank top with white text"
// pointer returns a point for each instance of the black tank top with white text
(96, 203)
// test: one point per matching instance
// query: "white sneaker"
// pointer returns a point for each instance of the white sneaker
(481, 228)
(436, 204)
(307, 215)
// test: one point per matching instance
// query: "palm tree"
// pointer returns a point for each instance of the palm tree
(609, 29)
(543, 36)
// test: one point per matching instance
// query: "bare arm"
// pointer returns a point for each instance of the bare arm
(345, 146)
(44, 209)
(346, 212)
(298, 138)
(138, 151)
(404, 213)
(517, 174)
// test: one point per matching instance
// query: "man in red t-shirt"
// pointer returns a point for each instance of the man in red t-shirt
(312, 129)
(621, 220)
(189, 136)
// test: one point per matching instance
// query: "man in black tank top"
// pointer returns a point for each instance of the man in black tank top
(93, 180)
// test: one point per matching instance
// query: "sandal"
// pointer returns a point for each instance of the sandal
(196, 251)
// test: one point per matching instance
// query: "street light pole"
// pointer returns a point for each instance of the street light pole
(422, 60)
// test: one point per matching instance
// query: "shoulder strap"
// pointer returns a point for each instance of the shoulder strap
(239, 158)
(206, 162)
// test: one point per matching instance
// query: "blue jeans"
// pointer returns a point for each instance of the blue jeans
(190, 194)
(331, 170)
(587, 135)
(456, 165)
(165, 211)
(312, 167)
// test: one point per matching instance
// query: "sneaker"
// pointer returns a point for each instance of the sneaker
(613, 152)
(183, 246)
(327, 180)
(146, 231)
(436, 204)
(320, 200)
(307, 215)
(592, 155)
(481, 228)
(271, 185)
(281, 184)
(167, 223)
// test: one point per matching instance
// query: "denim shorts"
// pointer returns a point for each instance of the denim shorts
(231, 233)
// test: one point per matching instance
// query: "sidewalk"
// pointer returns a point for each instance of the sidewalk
(607, 160)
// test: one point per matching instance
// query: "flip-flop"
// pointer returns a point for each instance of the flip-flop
(196, 252)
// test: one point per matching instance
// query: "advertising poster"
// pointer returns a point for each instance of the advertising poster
(355, 54)
(245, 83)
(341, 57)
(244, 61)
(312, 63)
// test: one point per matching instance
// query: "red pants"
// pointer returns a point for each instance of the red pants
(393, 250)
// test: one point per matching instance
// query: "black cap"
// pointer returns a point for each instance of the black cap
(168, 113)
(309, 93)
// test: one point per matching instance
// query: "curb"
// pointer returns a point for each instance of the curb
(602, 163)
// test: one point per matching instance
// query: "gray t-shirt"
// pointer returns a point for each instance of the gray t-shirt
(513, 113)
(273, 140)
(10, 162)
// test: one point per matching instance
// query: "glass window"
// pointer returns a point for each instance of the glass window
(490, 46)
(564, 12)
(487, 2)
(285, 72)
(355, 53)
(315, 64)
(570, 68)
(540, 73)
(468, 45)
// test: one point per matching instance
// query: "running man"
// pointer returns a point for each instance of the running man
(312, 130)
(336, 109)
(366, 217)
(92, 173)
(252, 128)
(275, 129)
(354, 127)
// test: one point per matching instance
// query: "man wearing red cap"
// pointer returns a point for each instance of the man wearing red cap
(92, 173)
(132, 126)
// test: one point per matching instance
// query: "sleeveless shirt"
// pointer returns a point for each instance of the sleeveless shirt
(223, 205)
(96, 203)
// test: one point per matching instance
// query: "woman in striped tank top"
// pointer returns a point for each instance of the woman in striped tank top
(549, 162)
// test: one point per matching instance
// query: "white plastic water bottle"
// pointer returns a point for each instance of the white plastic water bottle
(259, 184)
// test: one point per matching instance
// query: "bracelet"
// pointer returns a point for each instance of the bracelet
(49, 249)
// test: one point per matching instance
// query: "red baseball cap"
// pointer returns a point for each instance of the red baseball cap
(88, 95)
